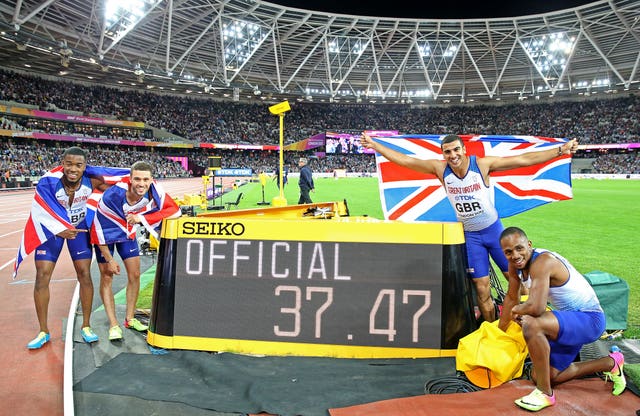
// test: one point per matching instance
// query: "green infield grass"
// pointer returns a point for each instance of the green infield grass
(595, 230)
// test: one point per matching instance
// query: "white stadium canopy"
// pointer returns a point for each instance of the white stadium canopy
(256, 50)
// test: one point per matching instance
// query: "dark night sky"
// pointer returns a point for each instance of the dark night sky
(443, 9)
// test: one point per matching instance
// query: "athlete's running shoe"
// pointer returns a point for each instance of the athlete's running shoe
(133, 323)
(536, 400)
(39, 341)
(616, 375)
(115, 333)
(88, 335)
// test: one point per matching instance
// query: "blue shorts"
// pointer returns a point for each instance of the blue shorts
(576, 330)
(79, 247)
(481, 244)
(126, 249)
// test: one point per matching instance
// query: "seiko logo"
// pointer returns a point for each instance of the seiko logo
(212, 228)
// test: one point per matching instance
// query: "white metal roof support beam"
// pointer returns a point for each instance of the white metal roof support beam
(401, 67)
(195, 42)
(448, 71)
(286, 62)
(504, 68)
(169, 27)
(475, 65)
(275, 59)
(635, 35)
(566, 67)
(633, 71)
(304, 61)
(584, 30)
(376, 66)
(422, 64)
(237, 71)
(624, 21)
(400, 70)
(533, 62)
(353, 65)
(602, 55)
(16, 12)
(20, 21)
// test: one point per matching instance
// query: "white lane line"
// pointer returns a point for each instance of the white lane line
(30, 281)
(12, 232)
(67, 384)
(6, 264)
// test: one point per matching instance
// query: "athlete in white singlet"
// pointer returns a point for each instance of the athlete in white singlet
(554, 335)
(472, 208)
(472, 201)
(127, 202)
(72, 192)
(470, 197)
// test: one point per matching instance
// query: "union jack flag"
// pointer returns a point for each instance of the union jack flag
(48, 217)
(407, 195)
(110, 225)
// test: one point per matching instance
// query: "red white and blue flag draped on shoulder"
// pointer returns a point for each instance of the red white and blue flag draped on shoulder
(48, 217)
(408, 195)
(110, 225)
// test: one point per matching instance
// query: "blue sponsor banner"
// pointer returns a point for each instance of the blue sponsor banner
(234, 172)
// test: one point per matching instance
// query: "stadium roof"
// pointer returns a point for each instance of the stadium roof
(255, 50)
(454, 9)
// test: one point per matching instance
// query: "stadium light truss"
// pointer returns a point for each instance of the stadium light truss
(240, 39)
(291, 53)
(121, 16)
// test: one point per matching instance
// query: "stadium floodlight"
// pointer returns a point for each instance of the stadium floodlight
(550, 53)
(121, 16)
(240, 40)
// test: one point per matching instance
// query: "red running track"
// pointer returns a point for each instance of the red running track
(32, 382)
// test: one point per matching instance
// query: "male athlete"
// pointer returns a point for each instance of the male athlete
(468, 177)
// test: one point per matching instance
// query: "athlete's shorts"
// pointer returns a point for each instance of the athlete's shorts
(481, 244)
(79, 247)
(576, 330)
(126, 249)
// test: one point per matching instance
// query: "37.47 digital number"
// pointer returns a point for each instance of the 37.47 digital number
(385, 297)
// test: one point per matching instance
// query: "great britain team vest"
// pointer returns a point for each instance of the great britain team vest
(76, 209)
(470, 198)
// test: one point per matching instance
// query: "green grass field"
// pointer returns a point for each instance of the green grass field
(595, 230)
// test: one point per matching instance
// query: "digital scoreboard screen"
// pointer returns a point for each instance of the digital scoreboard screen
(309, 285)
(349, 142)
(316, 292)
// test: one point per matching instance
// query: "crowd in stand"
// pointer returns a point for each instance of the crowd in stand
(31, 158)
(624, 163)
(267, 161)
(613, 120)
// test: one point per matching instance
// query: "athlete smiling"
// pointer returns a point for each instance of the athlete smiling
(136, 202)
(59, 214)
(466, 182)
